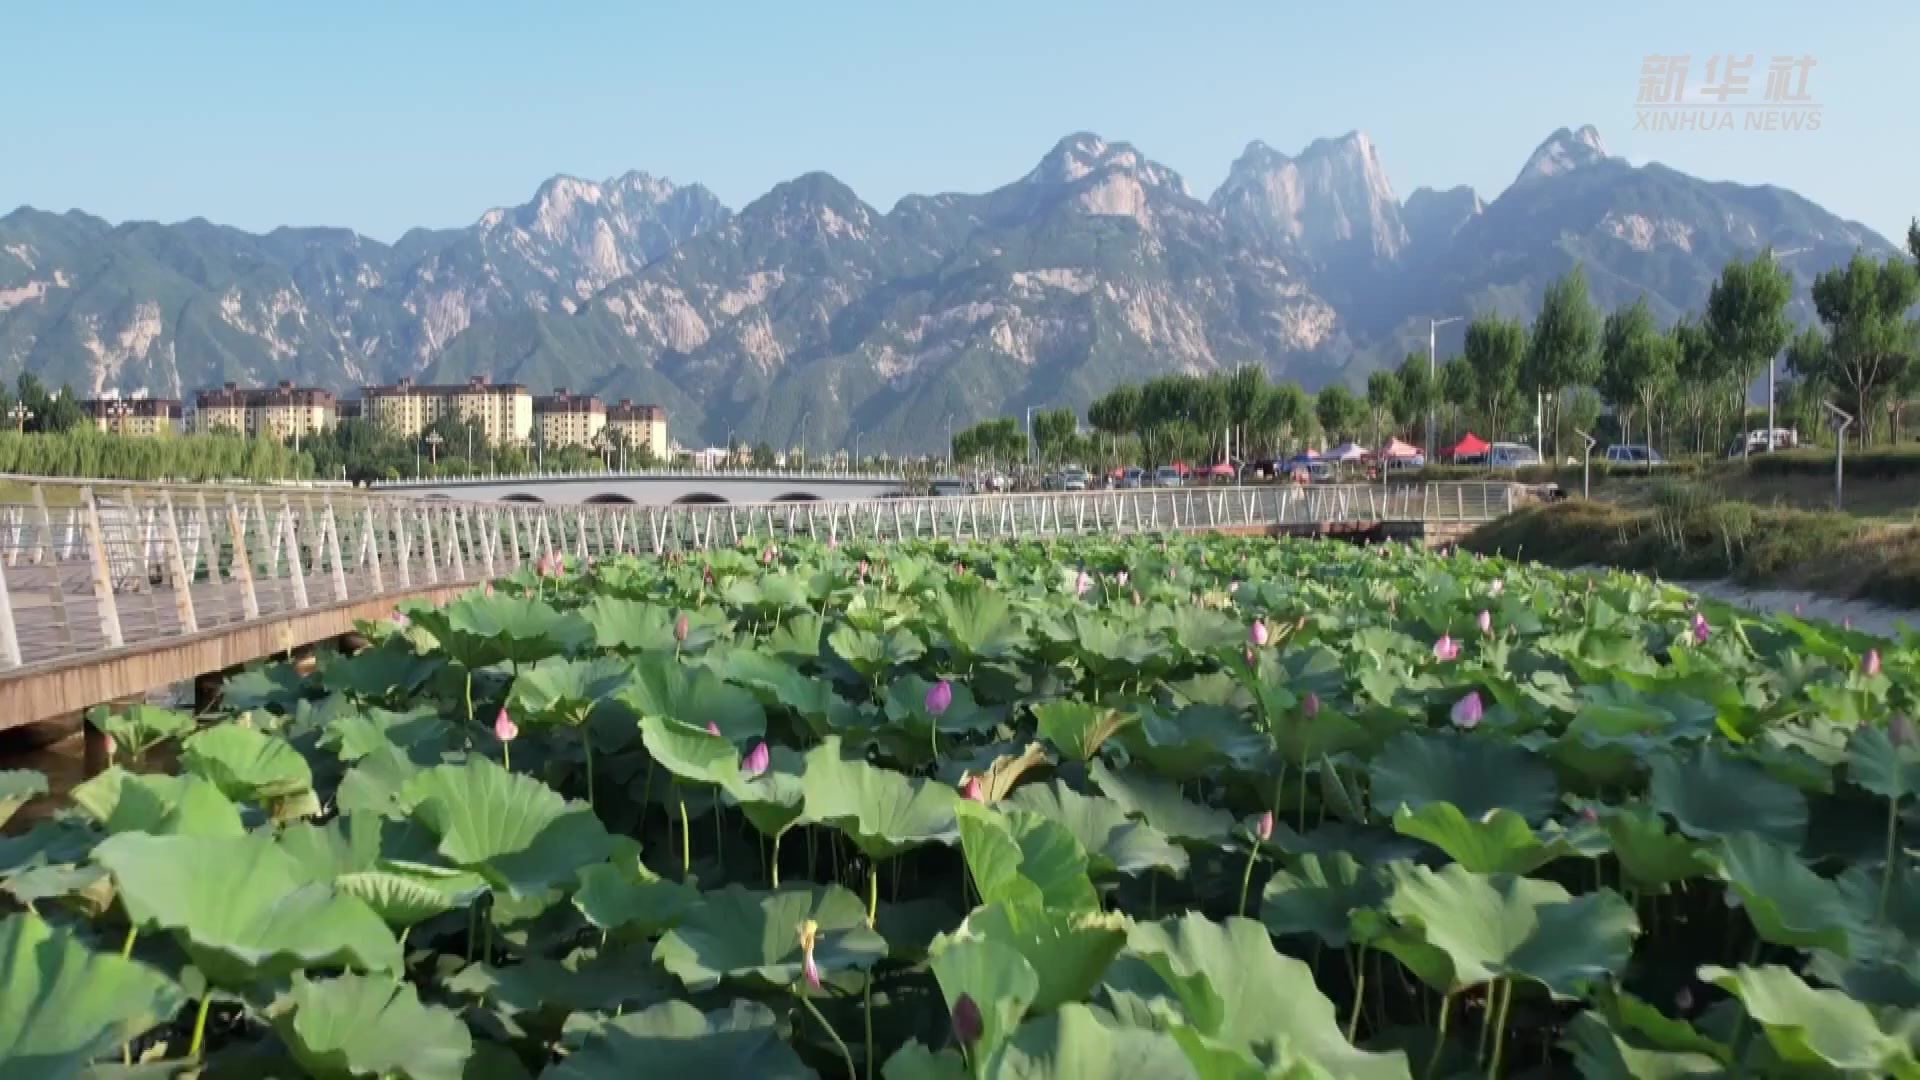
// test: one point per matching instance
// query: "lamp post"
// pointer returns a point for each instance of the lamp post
(856, 448)
(20, 415)
(804, 417)
(1842, 420)
(1773, 362)
(1586, 465)
(117, 413)
(1433, 376)
(949, 442)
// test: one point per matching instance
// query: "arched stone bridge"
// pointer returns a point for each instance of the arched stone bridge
(655, 487)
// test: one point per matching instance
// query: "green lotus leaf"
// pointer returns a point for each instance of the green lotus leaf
(777, 682)
(914, 1061)
(1233, 986)
(633, 626)
(1500, 842)
(420, 733)
(1015, 856)
(1204, 632)
(17, 787)
(1627, 1039)
(995, 976)
(1812, 1026)
(371, 1026)
(248, 765)
(1494, 926)
(693, 754)
(1477, 775)
(1110, 649)
(1069, 951)
(1879, 766)
(124, 802)
(613, 896)
(386, 672)
(1651, 857)
(872, 653)
(242, 908)
(406, 899)
(1159, 803)
(275, 687)
(1077, 728)
(62, 1005)
(1709, 794)
(693, 695)
(1317, 894)
(516, 832)
(621, 976)
(797, 638)
(1079, 1042)
(564, 690)
(1113, 842)
(1788, 903)
(977, 623)
(737, 933)
(770, 593)
(676, 1039)
(883, 812)
(374, 785)
(906, 706)
(491, 628)
(1190, 743)
(775, 799)
(139, 728)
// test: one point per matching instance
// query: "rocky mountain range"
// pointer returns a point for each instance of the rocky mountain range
(809, 315)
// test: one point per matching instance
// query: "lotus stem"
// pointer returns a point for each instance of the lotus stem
(506, 755)
(1440, 1036)
(200, 1026)
(774, 864)
(853, 1073)
(1246, 878)
(469, 695)
(873, 892)
(686, 842)
(719, 834)
(1886, 874)
(126, 947)
(1505, 989)
(1359, 994)
(866, 1016)
(586, 740)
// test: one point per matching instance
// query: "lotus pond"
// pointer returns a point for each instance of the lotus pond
(1200, 807)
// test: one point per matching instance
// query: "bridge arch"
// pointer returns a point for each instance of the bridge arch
(798, 496)
(519, 497)
(699, 498)
(610, 497)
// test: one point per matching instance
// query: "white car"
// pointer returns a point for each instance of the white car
(1506, 455)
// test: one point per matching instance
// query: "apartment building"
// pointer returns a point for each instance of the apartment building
(503, 412)
(640, 425)
(282, 412)
(564, 419)
(134, 416)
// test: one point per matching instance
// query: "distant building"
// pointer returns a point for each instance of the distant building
(134, 415)
(347, 409)
(640, 425)
(280, 412)
(503, 412)
(564, 419)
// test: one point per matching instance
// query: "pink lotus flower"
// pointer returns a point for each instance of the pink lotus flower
(1257, 633)
(1310, 704)
(972, 791)
(939, 697)
(680, 629)
(1121, 579)
(1495, 586)
(107, 745)
(1701, 629)
(756, 761)
(713, 728)
(832, 542)
(1484, 621)
(504, 728)
(968, 1024)
(1263, 827)
(766, 557)
(808, 931)
(863, 569)
(1870, 663)
(1468, 711)
(400, 619)
(1446, 648)
(1233, 586)
(1082, 583)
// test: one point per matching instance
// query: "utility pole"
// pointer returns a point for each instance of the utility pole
(1842, 420)
(1773, 362)
(1433, 377)
(1586, 465)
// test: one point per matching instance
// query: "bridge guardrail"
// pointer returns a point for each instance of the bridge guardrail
(87, 568)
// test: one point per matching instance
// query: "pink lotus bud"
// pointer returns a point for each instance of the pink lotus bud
(1257, 633)
(713, 728)
(1701, 630)
(400, 619)
(811, 970)
(1484, 621)
(1310, 704)
(1468, 711)
(972, 791)
(756, 760)
(107, 745)
(1121, 579)
(680, 629)
(1446, 648)
(1082, 583)
(1870, 663)
(1233, 586)
(1263, 826)
(863, 569)
(939, 697)
(968, 1024)
(1588, 813)
(766, 557)
(504, 728)
(1248, 653)
(1495, 586)
(958, 569)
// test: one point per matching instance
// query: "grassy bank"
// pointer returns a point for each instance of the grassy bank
(1687, 533)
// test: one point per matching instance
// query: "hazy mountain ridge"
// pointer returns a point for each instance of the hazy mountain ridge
(810, 314)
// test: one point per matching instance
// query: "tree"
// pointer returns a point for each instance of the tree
(762, 456)
(1418, 395)
(1338, 411)
(1747, 318)
(1284, 416)
(1495, 350)
(1870, 343)
(1560, 350)
(1383, 401)
(1118, 412)
(1700, 368)
(1053, 431)
(1636, 363)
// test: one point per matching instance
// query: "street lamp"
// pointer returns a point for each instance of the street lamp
(856, 448)
(1586, 465)
(1773, 362)
(950, 443)
(117, 413)
(1842, 420)
(1433, 377)
(20, 415)
(804, 417)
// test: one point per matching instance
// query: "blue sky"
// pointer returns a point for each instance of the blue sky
(382, 116)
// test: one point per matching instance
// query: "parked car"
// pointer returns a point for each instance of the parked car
(1756, 442)
(1068, 478)
(1634, 454)
(1168, 476)
(1133, 476)
(1506, 455)
(1411, 461)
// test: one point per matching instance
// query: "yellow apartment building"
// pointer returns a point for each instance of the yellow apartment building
(134, 416)
(564, 419)
(282, 412)
(503, 412)
(640, 425)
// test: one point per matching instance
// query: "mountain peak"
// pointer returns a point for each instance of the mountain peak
(1564, 151)
(1333, 202)
(1083, 153)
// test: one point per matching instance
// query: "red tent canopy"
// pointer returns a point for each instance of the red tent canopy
(1116, 473)
(1181, 468)
(1222, 469)
(1469, 445)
